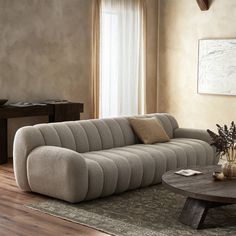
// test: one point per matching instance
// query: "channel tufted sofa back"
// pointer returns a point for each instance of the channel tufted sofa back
(94, 135)
(98, 134)
(80, 136)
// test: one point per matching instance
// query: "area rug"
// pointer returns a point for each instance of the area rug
(150, 211)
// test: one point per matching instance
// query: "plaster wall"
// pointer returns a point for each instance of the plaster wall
(181, 25)
(46, 53)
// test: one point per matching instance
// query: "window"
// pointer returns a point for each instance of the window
(121, 58)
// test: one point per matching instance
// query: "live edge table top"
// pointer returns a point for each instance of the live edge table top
(203, 186)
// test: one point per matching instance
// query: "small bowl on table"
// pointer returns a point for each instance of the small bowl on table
(3, 101)
(218, 176)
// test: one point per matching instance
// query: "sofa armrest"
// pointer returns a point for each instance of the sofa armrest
(192, 133)
(58, 172)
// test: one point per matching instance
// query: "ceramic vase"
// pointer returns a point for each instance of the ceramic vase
(229, 168)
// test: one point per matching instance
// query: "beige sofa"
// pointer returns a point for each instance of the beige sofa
(82, 160)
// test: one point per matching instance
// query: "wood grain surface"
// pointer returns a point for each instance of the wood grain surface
(202, 187)
(16, 219)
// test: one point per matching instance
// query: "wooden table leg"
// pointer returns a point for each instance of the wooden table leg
(194, 211)
(3, 141)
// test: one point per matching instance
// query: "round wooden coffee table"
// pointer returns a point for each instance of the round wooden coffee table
(202, 193)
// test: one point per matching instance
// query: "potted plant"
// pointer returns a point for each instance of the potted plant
(225, 143)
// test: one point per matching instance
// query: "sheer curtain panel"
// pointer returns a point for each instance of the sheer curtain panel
(122, 57)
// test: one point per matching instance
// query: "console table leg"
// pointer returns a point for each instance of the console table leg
(194, 212)
(3, 141)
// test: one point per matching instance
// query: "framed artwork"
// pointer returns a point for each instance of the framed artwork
(217, 66)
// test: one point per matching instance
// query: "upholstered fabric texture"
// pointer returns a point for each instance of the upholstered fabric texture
(149, 130)
(83, 160)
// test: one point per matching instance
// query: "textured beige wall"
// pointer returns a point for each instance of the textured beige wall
(45, 50)
(182, 24)
(45, 53)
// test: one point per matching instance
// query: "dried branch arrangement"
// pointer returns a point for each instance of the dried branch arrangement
(225, 140)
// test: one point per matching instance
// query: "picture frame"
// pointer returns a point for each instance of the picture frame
(217, 67)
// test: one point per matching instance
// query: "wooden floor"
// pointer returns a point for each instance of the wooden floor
(16, 219)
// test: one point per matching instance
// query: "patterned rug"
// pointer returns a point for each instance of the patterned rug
(145, 212)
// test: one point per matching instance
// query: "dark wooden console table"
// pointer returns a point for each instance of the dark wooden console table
(55, 112)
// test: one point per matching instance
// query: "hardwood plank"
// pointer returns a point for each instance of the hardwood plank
(16, 219)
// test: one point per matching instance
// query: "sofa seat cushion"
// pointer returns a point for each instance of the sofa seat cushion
(119, 169)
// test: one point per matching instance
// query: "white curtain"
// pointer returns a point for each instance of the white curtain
(122, 59)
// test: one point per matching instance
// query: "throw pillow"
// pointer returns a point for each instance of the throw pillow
(149, 130)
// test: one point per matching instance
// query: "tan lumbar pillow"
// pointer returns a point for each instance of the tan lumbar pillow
(149, 130)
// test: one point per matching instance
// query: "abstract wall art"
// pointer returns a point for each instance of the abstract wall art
(217, 66)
